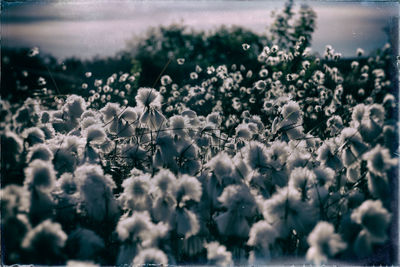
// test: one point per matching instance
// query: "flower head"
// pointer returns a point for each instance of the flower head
(165, 181)
(178, 125)
(39, 151)
(74, 106)
(136, 192)
(148, 97)
(374, 218)
(256, 155)
(110, 111)
(291, 112)
(188, 188)
(129, 115)
(96, 192)
(46, 235)
(324, 175)
(95, 134)
(221, 165)
(34, 136)
(262, 234)
(301, 179)
(151, 257)
(379, 160)
(324, 243)
(40, 174)
(135, 228)
(218, 255)
(287, 211)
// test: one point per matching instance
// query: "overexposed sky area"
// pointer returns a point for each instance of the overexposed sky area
(88, 28)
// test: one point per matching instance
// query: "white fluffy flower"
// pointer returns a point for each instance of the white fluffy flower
(324, 243)
(165, 80)
(243, 131)
(165, 181)
(348, 157)
(14, 199)
(90, 114)
(241, 205)
(188, 188)
(291, 113)
(96, 191)
(301, 179)
(221, 165)
(40, 174)
(178, 125)
(327, 154)
(379, 160)
(240, 168)
(298, 158)
(324, 175)
(335, 124)
(389, 101)
(374, 218)
(359, 111)
(285, 211)
(238, 198)
(363, 245)
(137, 231)
(278, 152)
(34, 136)
(369, 130)
(45, 117)
(148, 97)
(218, 255)
(295, 132)
(41, 205)
(75, 106)
(129, 115)
(136, 193)
(167, 148)
(110, 111)
(262, 234)
(214, 118)
(46, 235)
(110, 115)
(39, 151)
(352, 137)
(153, 118)
(135, 228)
(256, 155)
(66, 152)
(377, 113)
(151, 257)
(95, 134)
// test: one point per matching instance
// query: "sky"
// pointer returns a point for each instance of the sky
(85, 28)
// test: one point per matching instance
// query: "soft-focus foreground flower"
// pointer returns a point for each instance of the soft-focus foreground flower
(324, 243)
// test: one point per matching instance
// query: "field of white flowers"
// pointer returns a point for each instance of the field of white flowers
(300, 165)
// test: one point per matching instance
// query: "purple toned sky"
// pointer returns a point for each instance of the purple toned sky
(88, 28)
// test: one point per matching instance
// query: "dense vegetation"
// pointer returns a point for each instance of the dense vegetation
(228, 148)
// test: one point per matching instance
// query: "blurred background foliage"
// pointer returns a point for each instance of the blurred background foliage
(157, 52)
